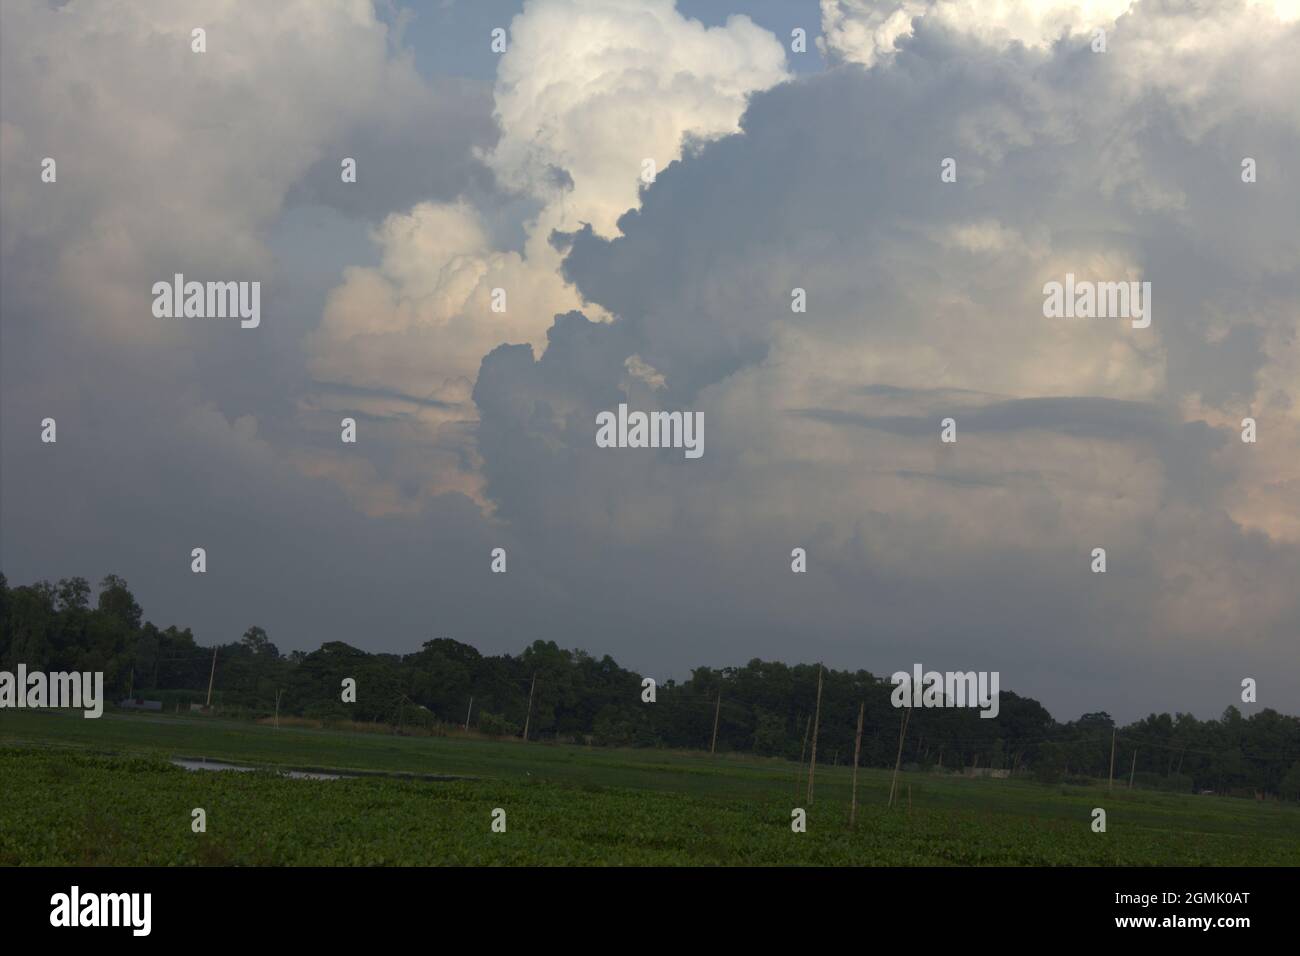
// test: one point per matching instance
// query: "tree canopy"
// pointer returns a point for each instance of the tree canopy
(765, 705)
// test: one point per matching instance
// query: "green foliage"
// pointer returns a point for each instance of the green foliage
(769, 734)
(1049, 765)
(495, 725)
(765, 704)
(712, 817)
(1290, 787)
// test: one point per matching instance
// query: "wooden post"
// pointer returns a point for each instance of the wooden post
(1111, 784)
(468, 711)
(857, 749)
(817, 722)
(212, 676)
(1132, 769)
(717, 711)
(803, 752)
(529, 715)
(902, 733)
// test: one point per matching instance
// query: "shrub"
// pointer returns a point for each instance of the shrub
(496, 725)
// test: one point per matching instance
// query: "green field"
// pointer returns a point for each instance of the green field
(76, 791)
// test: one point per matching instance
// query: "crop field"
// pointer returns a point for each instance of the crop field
(75, 791)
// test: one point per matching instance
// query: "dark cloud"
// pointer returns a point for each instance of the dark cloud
(425, 153)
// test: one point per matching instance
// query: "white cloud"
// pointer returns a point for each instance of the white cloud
(586, 91)
(594, 87)
(864, 31)
(167, 158)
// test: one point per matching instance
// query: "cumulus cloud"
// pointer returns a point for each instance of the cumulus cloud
(864, 31)
(584, 94)
(476, 426)
(170, 160)
(589, 90)
(405, 339)
(924, 301)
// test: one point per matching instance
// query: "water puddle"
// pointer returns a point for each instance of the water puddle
(190, 763)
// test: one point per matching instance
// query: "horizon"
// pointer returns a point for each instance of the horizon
(881, 677)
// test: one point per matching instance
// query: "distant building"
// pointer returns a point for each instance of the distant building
(139, 703)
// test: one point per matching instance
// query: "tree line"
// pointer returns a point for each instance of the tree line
(763, 707)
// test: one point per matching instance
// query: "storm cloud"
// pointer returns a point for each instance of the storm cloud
(476, 427)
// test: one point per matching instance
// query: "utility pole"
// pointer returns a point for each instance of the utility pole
(817, 722)
(469, 711)
(277, 708)
(1132, 769)
(1111, 784)
(857, 749)
(212, 677)
(717, 711)
(529, 716)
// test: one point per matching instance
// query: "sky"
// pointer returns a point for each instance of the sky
(921, 170)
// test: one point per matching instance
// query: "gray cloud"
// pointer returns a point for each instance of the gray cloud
(924, 300)
(1071, 438)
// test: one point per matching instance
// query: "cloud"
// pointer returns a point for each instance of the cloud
(419, 324)
(924, 301)
(584, 93)
(476, 427)
(865, 31)
(588, 90)
(177, 433)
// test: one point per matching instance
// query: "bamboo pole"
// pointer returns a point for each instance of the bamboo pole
(1111, 784)
(529, 716)
(902, 733)
(212, 676)
(817, 721)
(857, 749)
(803, 752)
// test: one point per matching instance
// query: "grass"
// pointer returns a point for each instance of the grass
(102, 792)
